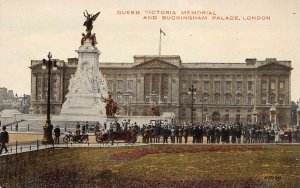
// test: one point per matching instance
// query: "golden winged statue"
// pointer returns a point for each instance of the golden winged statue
(90, 18)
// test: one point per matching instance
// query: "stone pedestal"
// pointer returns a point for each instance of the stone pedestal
(88, 87)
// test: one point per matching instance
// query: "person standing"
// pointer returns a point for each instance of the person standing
(185, 134)
(4, 138)
(57, 134)
(290, 136)
(17, 127)
(77, 132)
(83, 129)
(87, 127)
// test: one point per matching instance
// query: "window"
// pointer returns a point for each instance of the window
(272, 85)
(183, 84)
(216, 99)
(263, 101)
(128, 98)
(227, 99)
(239, 85)
(217, 86)
(129, 84)
(227, 86)
(250, 85)
(205, 101)
(264, 85)
(249, 100)
(281, 85)
(206, 86)
(249, 117)
(238, 100)
(119, 98)
(120, 84)
(183, 99)
(272, 99)
(281, 100)
(110, 85)
(195, 83)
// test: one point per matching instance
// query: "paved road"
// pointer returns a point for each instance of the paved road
(21, 148)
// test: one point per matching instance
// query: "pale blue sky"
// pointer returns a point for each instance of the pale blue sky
(30, 29)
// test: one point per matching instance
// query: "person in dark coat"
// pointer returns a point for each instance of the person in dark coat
(217, 135)
(56, 134)
(223, 135)
(233, 135)
(238, 134)
(185, 134)
(289, 136)
(201, 133)
(4, 138)
(166, 134)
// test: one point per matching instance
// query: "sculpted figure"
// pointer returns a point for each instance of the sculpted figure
(111, 107)
(153, 111)
(90, 18)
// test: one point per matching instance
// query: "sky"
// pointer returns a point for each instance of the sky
(29, 29)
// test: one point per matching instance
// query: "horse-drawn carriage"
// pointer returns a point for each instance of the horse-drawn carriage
(126, 136)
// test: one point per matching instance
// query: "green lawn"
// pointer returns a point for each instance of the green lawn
(155, 166)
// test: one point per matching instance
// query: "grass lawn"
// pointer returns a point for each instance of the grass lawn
(155, 166)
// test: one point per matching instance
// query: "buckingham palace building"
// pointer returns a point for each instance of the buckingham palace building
(248, 91)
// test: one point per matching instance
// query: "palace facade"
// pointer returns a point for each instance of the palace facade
(250, 91)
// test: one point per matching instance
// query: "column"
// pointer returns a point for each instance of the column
(142, 87)
(268, 90)
(151, 83)
(169, 88)
(33, 87)
(160, 88)
(277, 90)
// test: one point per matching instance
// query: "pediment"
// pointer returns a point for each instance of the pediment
(155, 64)
(274, 66)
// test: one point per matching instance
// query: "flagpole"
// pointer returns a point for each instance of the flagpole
(159, 42)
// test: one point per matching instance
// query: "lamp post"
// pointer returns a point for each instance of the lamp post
(24, 103)
(48, 64)
(202, 100)
(192, 92)
(298, 112)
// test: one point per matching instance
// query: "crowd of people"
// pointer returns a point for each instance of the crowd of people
(218, 132)
(209, 132)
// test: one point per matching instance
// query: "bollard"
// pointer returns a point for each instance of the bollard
(65, 128)
(30, 147)
(28, 127)
(21, 149)
(37, 144)
(16, 148)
